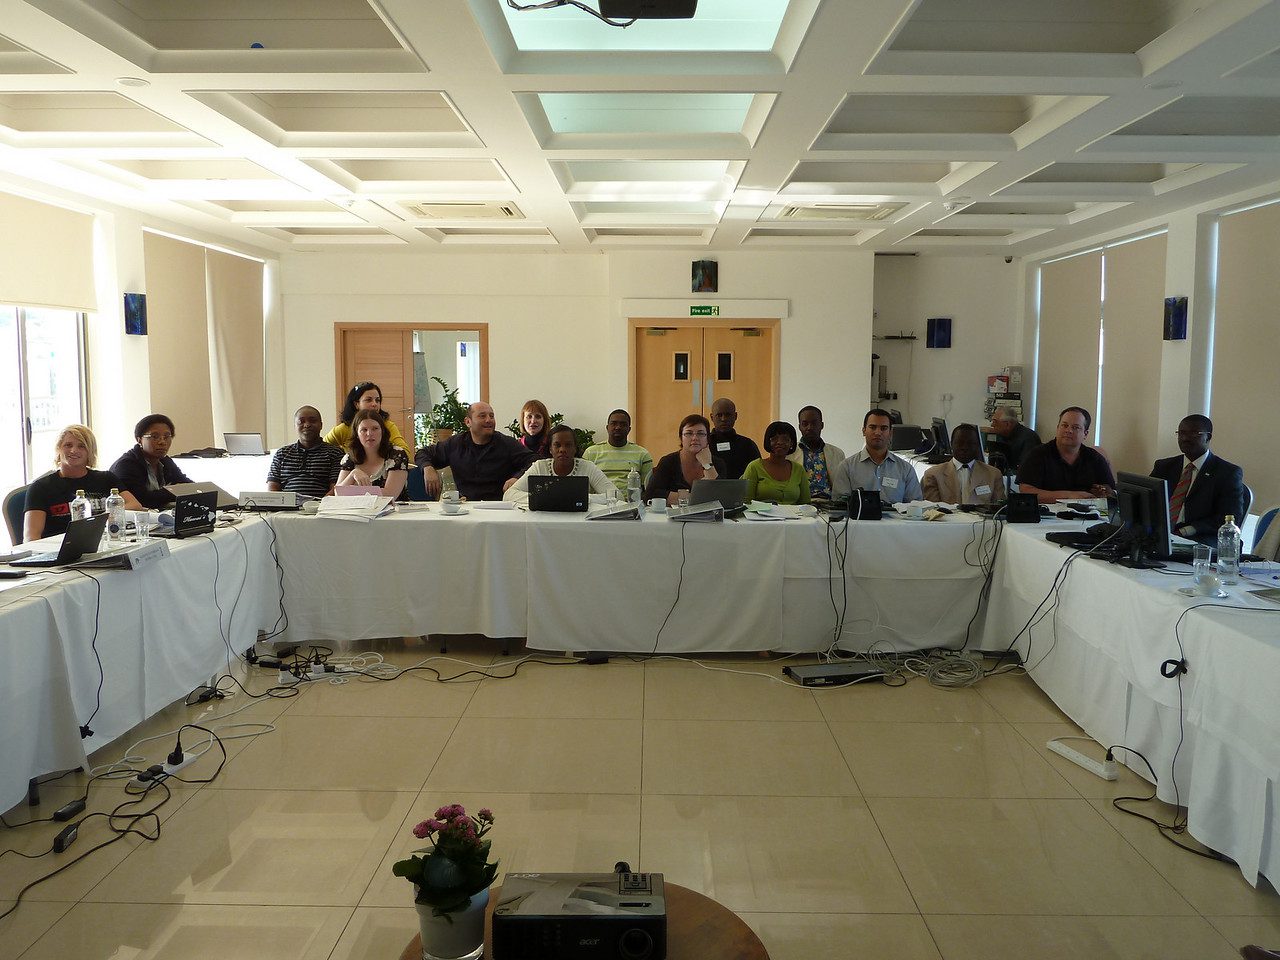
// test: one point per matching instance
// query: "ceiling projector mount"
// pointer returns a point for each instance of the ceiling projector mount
(621, 13)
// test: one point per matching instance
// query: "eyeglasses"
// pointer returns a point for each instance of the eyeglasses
(158, 437)
(1191, 434)
(694, 434)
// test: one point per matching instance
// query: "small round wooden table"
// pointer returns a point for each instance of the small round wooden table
(698, 928)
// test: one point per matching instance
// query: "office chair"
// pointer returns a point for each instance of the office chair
(15, 505)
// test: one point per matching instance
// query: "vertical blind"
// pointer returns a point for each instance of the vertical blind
(1244, 392)
(1132, 324)
(204, 323)
(1070, 318)
(46, 255)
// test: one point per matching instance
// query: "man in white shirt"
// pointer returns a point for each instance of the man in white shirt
(1203, 488)
(875, 467)
(965, 478)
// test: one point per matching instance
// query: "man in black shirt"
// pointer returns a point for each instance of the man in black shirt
(734, 449)
(309, 466)
(1064, 468)
(484, 462)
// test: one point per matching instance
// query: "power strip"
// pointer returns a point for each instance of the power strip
(1106, 769)
(158, 772)
(285, 678)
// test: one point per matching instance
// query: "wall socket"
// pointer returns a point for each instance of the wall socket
(946, 397)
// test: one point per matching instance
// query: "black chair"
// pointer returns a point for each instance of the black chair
(15, 505)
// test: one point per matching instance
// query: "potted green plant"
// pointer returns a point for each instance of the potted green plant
(448, 416)
(451, 880)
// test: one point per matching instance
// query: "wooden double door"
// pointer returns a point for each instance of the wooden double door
(682, 369)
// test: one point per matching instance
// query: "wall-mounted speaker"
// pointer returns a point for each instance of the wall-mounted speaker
(1175, 318)
(938, 332)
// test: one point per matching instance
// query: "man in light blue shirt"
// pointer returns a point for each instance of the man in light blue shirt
(875, 467)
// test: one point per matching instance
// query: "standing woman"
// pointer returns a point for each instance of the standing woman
(774, 477)
(535, 427)
(371, 460)
(48, 507)
(693, 461)
(365, 395)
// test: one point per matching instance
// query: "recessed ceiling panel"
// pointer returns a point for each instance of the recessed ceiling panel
(216, 169)
(917, 113)
(664, 113)
(719, 25)
(1106, 172)
(15, 58)
(79, 112)
(959, 232)
(356, 111)
(819, 172)
(1020, 209)
(1212, 116)
(423, 171)
(278, 206)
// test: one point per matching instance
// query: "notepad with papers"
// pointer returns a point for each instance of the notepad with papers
(364, 507)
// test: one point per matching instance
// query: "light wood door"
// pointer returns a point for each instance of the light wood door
(384, 356)
(684, 369)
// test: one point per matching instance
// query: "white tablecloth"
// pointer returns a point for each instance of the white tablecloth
(158, 637)
(1099, 657)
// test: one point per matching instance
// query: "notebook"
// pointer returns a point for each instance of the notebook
(244, 444)
(82, 537)
(225, 500)
(559, 494)
(193, 514)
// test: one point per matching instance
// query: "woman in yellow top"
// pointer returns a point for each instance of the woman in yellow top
(365, 395)
(774, 478)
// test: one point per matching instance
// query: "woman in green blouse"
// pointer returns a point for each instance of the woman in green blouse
(773, 478)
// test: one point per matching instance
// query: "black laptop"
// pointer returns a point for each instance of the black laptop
(560, 494)
(732, 494)
(82, 537)
(193, 514)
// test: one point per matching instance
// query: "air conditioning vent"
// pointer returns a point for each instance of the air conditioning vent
(465, 211)
(840, 211)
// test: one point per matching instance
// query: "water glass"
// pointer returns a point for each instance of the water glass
(682, 498)
(1201, 563)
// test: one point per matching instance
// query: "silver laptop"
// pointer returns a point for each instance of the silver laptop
(244, 444)
(225, 500)
(731, 493)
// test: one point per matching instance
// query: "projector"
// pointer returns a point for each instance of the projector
(580, 916)
(648, 9)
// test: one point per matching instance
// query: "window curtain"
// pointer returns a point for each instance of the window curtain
(46, 255)
(235, 344)
(1243, 393)
(1070, 319)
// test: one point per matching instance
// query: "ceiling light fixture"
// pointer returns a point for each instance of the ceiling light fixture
(621, 13)
(132, 82)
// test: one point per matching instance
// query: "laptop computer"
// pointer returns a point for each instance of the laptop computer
(82, 537)
(225, 500)
(732, 494)
(244, 444)
(559, 494)
(193, 514)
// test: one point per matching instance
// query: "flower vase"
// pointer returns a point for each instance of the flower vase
(461, 939)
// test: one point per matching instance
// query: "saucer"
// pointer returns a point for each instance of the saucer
(1193, 592)
(461, 512)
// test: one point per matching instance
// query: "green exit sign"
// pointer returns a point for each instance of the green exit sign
(707, 310)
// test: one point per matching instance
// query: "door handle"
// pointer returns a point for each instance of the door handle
(697, 390)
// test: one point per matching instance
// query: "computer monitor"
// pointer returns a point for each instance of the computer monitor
(895, 416)
(1144, 511)
(941, 437)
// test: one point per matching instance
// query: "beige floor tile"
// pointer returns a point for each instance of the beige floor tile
(1085, 783)
(1017, 698)
(74, 882)
(378, 932)
(150, 931)
(566, 690)
(546, 832)
(316, 848)
(946, 760)
(485, 755)
(1051, 857)
(834, 936)
(1211, 886)
(1076, 937)
(743, 757)
(798, 854)
(1239, 931)
(416, 694)
(914, 702)
(339, 753)
(687, 691)
(27, 924)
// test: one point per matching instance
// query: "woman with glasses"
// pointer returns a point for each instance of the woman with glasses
(48, 506)
(365, 395)
(693, 461)
(147, 469)
(371, 460)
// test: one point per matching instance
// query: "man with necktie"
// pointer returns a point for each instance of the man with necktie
(1203, 488)
(965, 478)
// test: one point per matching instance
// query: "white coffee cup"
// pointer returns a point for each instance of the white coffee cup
(450, 506)
(658, 505)
(1209, 584)
(450, 495)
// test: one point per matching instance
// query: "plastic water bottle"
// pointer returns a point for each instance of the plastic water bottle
(1229, 552)
(634, 493)
(80, 509)
(115, 516)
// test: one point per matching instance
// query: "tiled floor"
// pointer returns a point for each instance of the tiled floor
(865, 821)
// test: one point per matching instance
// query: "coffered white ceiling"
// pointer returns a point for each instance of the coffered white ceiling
(997, 126)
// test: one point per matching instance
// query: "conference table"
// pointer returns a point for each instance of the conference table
(569, 584)
(1099, 655)
(111, 651)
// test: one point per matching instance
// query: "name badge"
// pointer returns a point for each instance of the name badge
(722, 447)
(888, 483)
(983, 491)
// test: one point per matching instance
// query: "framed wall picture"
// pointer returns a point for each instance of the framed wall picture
(706, 276)
(938, 332)
(135, 314)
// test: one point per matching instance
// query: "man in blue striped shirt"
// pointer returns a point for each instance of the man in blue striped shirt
(309, 466)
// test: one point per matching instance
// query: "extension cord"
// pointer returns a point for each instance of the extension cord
(286, 678)
(1106, 769)
(156, 772)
